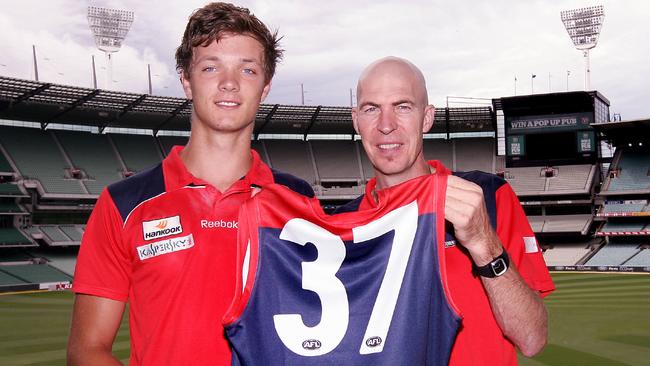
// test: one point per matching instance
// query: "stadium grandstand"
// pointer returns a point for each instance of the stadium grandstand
(61, 145)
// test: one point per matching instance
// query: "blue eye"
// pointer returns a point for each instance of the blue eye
(403, 108)
(249, 71)
(370, 110)
(209, 69)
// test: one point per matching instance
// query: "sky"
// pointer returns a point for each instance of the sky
(465, 48)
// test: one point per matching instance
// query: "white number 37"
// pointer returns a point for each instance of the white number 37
(319, 276)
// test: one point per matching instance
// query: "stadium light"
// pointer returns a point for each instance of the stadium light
(583, 26)
(109, 26)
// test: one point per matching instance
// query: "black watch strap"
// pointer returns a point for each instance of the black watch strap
(496, 268)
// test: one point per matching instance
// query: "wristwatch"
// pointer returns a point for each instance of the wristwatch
(496, 268)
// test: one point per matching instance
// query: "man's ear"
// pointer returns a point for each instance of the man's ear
(354, 120)
(265, 91)
(187, 85)
(429, 114)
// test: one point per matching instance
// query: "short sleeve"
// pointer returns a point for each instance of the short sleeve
(518, 238)
(103, 264)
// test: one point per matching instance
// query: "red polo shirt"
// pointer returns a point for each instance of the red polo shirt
(164, 241)
(480, 340)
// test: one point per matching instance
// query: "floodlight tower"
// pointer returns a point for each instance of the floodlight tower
(583, 26)
(109, 26)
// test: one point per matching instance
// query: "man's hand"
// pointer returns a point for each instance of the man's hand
(465, 209)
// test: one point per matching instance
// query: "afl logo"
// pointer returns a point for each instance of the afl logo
(311, 344)
(373, 341)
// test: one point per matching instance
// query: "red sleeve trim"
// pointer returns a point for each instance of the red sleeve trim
(80, 288)
(440, 194)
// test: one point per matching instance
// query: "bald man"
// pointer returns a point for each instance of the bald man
(495, 271)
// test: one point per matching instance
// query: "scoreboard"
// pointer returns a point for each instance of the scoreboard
(550, 129)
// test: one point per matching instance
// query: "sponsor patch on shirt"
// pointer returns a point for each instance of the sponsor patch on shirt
(531, 244)
(450, 243)
(161, 228)
(165, 247)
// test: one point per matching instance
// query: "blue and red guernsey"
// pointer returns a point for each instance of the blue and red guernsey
(480, 340)
(165, 241)
(361, 288)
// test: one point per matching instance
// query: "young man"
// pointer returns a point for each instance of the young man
(164, 240)
(495, 270)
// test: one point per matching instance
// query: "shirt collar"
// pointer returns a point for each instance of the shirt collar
(177, 175)
(368, 200)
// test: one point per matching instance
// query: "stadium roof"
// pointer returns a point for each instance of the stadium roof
(45, 103)
(625, 132)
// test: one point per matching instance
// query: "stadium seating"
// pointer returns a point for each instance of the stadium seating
(336, 160)
(94, 154)
(567, 179)
(35, 273)
(560, 223)
(7, 280)
(258, 146)
(292, 156)
(633, 169)
(526, 180)
(138, 152)
(474, 154)
(623, 226)
(565, 255)
(613, 254)
(438, 149)
(571, 178)
(10, 189)
(167, 142)
(10, 207)
(642, 259)
(5, 167)
(74, 232)
(624, 207)
(38, 157)
(13, 237)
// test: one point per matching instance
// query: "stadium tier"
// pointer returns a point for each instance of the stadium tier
(10, 208)
(557, 180)
(10, 189)
(566, 255)
(613, 254)
(167, 142)
(38, 157)
(632, 172)
(95, 155)
(641, 259)
(292, 156)
(138, 152)
(631, 207)
(12, 237)
(442, 150)
(32, 273)
(336, 160)
(614, 227)
(474, 154)
(5, 167)
(561, 223)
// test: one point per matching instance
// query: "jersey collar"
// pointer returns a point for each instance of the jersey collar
(177, 175)
(368, 200)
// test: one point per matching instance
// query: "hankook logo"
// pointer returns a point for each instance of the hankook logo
(165, 247)
(161, 228)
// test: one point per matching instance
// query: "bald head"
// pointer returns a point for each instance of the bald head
(391, 68)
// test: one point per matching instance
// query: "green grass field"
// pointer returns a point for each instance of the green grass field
(595, 319)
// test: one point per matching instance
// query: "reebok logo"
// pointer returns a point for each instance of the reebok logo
(216, 224)
(161, 228)
(165, 247)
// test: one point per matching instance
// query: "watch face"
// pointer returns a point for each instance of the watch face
(499, 267)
